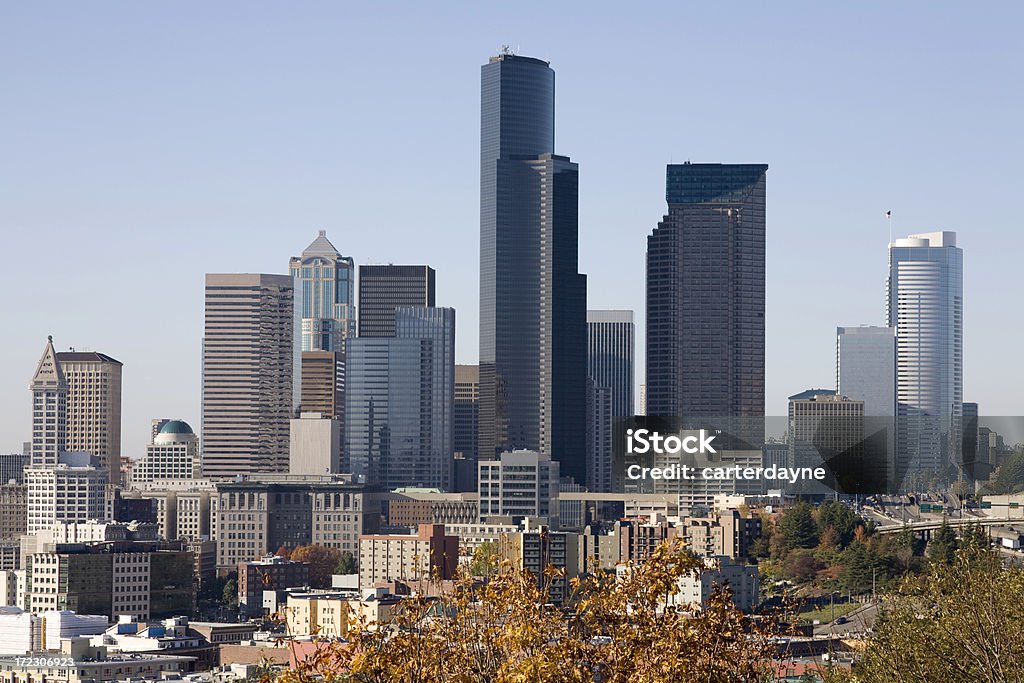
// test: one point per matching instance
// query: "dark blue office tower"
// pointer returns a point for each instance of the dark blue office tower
(533, 335)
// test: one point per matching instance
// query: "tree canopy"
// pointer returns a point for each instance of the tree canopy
(503, 630)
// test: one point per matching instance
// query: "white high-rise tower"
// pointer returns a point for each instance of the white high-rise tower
(49, 409)
(925, 305)
(62, 487)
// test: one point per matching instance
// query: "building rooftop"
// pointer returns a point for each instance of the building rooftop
(321, 246)
(710, 183)
(86, 357)
(48, 372)
(176, 427)
(810, 394)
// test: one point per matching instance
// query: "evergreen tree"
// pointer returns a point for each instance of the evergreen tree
(229, 596)
(346, 564)
(942, 548)
(840, 517)
(858, 568)
(797, 527)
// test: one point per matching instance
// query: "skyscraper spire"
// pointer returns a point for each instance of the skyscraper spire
(49, 389)
(49, 374)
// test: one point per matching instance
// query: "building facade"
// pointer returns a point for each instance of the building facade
(538, 548)
(12, 467)
(145, 580)
(383, 288)
(532, 297)
(315, 445)
(255, 519)
(49, 389)
(323, 383)
(866, 367)
(325, 285)
(249, 352)
(399, 398)
(428, 554)
(173, 454)
(600, 400)
(610, 356)
(268, 574)
(73, 490)
(706, 294)
(94, 408)
(925, 306)
(519, 484)
(465, 426)
(13, 511)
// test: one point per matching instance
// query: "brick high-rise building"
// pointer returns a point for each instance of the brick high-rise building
(94, 407)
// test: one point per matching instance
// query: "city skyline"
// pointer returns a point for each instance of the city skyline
(611, 245)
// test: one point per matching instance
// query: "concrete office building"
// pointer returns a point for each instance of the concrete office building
(706, 295)
(324, 295)
(399, 399)
(696, 590)
(697, 496)
(185, 509)
(610, 356)
(519, 484)
(255, 519)
(822, 420)
(925, 306)
(173, 455)
(315, 445)
(411, 507)
(94, 408)
(866, 367)
(382, 289)
(73, 490)
(825, 430)
(145, 580)
(428, 554)
(537, 548)
(533, 334)
(249, 353)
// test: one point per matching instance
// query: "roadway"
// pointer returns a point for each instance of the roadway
(857, 622)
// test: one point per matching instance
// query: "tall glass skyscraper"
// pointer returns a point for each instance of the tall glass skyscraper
(610, 356)
(399, 400)
(533, 336)
(327, 289)
(866, 367)
(706, 294)
(925, 305)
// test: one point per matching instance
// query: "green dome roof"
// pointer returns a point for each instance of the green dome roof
(176, 427)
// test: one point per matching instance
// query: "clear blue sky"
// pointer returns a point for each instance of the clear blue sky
(144, 144)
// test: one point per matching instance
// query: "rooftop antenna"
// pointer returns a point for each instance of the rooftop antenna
(888, 219)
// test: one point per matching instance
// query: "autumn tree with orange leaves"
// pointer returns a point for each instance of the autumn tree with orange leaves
(502, 631)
